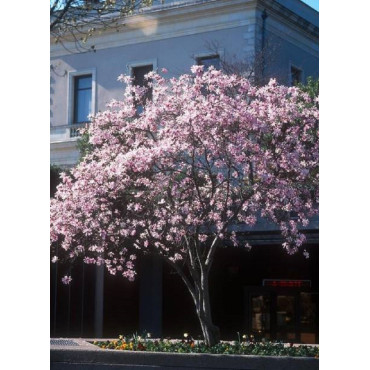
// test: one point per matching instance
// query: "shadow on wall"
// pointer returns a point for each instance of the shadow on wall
(52, 82)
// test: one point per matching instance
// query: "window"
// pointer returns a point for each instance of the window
(81, 99)
(210, 60)
(82, 106)
(296, 75)
(138, 74)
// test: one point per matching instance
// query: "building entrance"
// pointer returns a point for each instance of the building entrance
(285, 310)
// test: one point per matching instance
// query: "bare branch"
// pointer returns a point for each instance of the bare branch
(184, 278)
(211, 253)
(77, 21)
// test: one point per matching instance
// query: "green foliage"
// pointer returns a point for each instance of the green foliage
(55, 172)
(188, 345)
(83, 145)
(311, 87)
(55, 179)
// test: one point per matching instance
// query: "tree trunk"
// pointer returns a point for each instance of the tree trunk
(198, 287)
(211, 332)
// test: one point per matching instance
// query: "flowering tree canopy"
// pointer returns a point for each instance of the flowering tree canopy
(207, 152)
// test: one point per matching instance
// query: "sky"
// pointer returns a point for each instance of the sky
(312, 3)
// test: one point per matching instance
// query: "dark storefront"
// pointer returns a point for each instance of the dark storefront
(241, 301)
(264, 292)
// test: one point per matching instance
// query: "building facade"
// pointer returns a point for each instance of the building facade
(263, 292)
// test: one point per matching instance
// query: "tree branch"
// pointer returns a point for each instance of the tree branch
(211, 253)
(183, 277)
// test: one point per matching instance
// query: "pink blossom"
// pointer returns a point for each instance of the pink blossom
(208, 152)
(66, 279)
(202, 237)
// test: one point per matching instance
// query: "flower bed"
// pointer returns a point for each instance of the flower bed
(83, 355)
(188, 345)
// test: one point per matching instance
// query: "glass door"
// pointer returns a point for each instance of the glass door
(309, 317)
(289, 315)
(286, 317)
(260, 315)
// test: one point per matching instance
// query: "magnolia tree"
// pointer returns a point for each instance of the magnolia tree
(206, 153)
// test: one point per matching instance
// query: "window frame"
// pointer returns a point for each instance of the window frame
(72, 75)
(291, 65)
(209, 54)
(214, 56)
(141, 63)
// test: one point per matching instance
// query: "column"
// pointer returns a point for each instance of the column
(151, 296)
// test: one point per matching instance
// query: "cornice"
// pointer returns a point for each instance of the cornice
(286, 16)
(199, 16)
(181, 19)
(294, 37)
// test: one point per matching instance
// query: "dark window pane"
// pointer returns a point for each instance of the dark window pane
(296, 75)
(83, 105)
(138, 74)
(213, 60)
(84, 82)
(82, 98)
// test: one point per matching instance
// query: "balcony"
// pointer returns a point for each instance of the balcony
(65, 132)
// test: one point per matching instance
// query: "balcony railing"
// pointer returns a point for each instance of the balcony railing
(65, 132)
